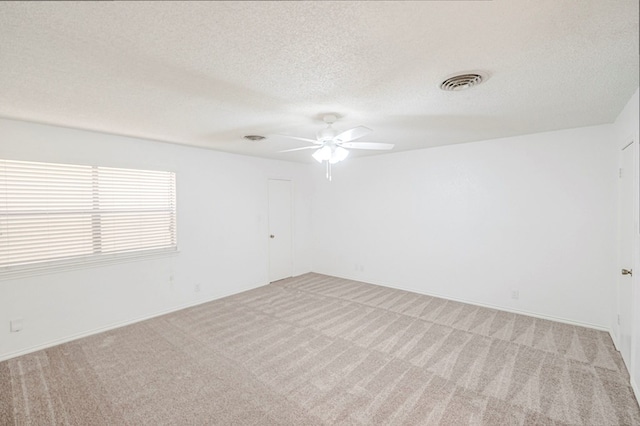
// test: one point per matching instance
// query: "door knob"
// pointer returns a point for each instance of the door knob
(627, 272)
(272, 236)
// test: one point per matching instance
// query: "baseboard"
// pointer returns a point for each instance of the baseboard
(49, 344)
(614, 339)
(484, 305)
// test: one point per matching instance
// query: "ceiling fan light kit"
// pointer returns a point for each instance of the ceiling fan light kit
(331, 147)
(332, 154)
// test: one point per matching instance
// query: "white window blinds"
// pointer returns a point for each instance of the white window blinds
(56, 212)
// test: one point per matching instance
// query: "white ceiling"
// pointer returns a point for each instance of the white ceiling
(207, 73)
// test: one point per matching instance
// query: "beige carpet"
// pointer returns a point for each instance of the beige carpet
(321, 350)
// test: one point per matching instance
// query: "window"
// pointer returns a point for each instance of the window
(60, 214)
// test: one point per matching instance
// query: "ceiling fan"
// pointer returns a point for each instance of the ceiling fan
(332, 147)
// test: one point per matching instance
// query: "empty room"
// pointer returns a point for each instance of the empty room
(319, 213)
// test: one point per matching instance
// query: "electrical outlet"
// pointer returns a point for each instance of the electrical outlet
(16, 325)
(515, 294)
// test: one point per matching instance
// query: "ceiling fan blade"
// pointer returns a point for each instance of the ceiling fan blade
(367, 145)
(299, 149)
(351, 134)
(300, 139)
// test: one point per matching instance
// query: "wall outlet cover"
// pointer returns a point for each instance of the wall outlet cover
(16, 325)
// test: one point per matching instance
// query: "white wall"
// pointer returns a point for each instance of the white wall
(474, 222)
(626, 124)
(222, 236)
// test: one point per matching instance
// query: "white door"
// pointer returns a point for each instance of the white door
(634, 250)
(626, 238)
(280, 230)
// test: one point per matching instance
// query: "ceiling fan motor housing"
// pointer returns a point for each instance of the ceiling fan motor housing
(326, 134)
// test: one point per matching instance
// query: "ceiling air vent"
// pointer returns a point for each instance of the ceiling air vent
(461, 82)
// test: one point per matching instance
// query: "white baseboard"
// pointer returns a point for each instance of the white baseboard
(614, 338)
(55, 342)
(484, 305)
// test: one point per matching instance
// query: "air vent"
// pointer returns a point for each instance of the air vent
(461, 82)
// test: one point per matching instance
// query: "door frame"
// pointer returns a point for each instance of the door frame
(635, 279)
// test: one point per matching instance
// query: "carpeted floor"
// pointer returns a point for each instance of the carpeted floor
(321, 350)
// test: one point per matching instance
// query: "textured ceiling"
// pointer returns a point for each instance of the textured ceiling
(207, 73)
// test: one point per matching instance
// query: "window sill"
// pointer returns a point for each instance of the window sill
(46, 268)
